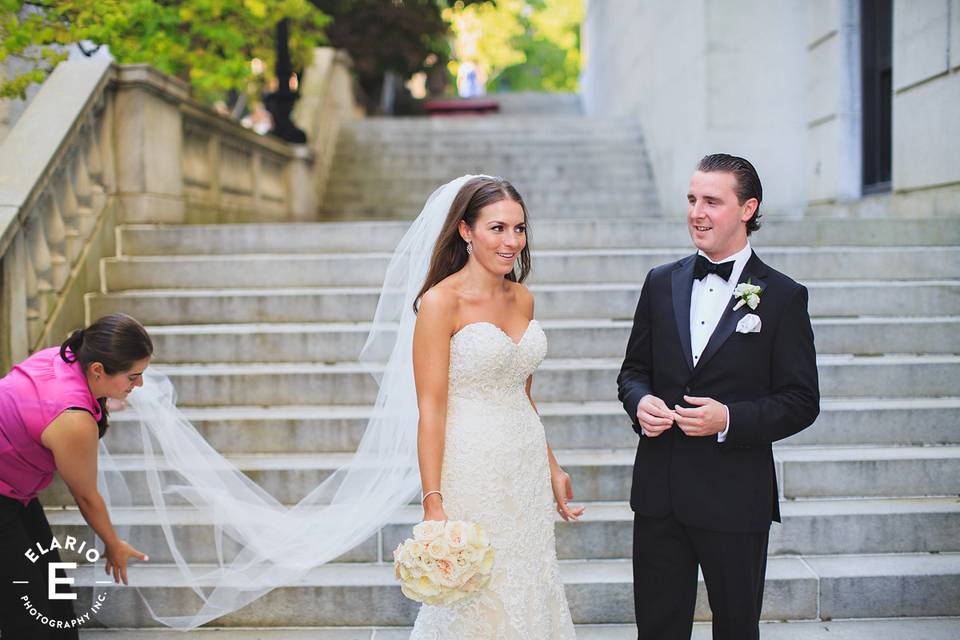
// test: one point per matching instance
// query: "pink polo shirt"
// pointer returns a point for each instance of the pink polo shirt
(34, 393)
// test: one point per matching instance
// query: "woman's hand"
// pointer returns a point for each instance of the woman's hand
(562, 493)
(117, 555)
(433, 508)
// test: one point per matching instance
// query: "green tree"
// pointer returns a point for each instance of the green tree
(522, 44)
(398, 36)
(209, 43)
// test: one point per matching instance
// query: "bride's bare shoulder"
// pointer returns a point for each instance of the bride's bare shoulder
(440, 300)
(523, 297)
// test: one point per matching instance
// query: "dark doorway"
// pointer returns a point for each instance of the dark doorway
(876, 29)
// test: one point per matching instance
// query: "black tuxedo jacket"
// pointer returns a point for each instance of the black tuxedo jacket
(768, 380)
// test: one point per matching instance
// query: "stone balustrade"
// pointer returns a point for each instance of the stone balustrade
(103, 144)
(57, 171)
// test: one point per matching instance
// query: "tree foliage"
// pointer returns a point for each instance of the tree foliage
(382, 36)
(210, 43)
(399, 36)
(522, 44)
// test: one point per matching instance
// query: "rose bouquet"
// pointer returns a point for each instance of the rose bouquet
(444, 562)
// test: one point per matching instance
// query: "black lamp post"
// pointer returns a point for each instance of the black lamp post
(280, 102)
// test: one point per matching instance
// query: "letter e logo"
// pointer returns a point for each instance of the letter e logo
(54, 580)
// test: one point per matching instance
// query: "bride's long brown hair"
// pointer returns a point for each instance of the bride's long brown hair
(450, 252)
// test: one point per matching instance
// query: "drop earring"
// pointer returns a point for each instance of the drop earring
(469, 247)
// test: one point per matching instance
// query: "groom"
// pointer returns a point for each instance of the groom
(714, 374)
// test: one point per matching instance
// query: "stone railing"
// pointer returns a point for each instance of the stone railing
(104, 144)
(327, 98)
(179, 161)
(56, 174)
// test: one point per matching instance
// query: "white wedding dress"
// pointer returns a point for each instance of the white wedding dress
(496, 473)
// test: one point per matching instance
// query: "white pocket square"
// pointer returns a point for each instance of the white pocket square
(749, 323)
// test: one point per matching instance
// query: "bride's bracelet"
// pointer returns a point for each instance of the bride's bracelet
(430, 493)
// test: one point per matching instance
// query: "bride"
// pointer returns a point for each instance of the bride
(482, 449)
(453, 417)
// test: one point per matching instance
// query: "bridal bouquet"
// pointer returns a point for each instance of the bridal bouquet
(444, 561)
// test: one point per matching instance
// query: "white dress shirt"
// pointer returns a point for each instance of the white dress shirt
(708, 300)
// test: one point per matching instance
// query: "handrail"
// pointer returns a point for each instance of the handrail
(63, 110)
(102, 144)
(55, 172)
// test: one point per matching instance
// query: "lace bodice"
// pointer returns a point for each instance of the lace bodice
(485, 362)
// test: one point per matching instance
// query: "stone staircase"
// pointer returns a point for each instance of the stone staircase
(259, 327)
(564, 166)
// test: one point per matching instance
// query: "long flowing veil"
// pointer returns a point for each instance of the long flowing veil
(257, 543)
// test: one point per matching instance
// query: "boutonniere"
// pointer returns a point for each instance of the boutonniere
(747, 294)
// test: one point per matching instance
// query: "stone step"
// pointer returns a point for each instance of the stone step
(538, 202)
(575, 182)
(514, 123)
(550, 267)
(509, 141)
(809, 527)
(578, 185)
(354, 161)
(814, 472)
(607, 301)
(335, 342)
(902, 629)
(398, 169)
(802, 588)
(506, 143)
(587, 233)
(561, 149)
(585, 171)
(407, 210)
(321, 429)
(606, 474)
(514, 133)
(566, 380)
(442, 160)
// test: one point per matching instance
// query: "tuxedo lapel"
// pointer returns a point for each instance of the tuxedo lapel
(754, 272)
(681, 286)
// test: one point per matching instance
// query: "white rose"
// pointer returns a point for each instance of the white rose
(428, 530)
(438, 548)
(457, 533)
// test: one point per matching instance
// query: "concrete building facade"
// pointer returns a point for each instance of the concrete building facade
(845, 106)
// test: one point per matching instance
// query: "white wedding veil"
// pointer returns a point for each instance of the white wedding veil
(258, 543)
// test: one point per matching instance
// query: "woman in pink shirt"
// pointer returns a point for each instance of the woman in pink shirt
(52, 414)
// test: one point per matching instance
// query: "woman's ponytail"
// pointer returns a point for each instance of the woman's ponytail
(116, 341)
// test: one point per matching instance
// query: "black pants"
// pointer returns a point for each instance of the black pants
(666, 554)
(21, 528)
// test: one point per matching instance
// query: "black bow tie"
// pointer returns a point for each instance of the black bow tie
(703, 266)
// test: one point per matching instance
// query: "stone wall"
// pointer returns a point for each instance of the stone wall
(780, 83)
(926, 104)
(833, 102)
(703, 76)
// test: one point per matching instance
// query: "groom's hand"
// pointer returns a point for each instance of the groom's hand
(654, 416)
(707, 417)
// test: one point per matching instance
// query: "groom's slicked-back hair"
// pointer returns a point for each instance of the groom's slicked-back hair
(748, 181)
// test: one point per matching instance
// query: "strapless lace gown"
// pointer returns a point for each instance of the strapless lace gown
(496, 473)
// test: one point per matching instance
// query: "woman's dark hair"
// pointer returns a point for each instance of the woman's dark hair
(748, 181)
(116, 341)
(450, 252)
